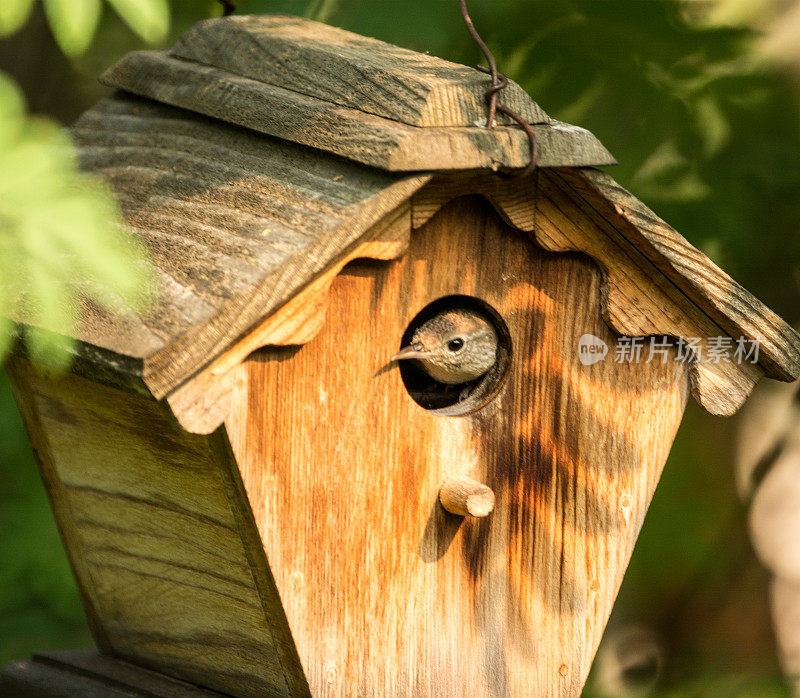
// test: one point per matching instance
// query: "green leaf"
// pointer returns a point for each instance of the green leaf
(147, 18)
(13, 14)
(12, 103)
(712, 125)
(73, 23)
(12, 111)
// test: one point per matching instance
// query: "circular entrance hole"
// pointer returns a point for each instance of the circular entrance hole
(462, 398)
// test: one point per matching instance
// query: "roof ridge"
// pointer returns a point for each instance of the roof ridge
(349, 70)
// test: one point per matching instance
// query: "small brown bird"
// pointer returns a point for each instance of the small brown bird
(454, 346)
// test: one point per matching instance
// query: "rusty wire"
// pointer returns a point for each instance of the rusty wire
(228, 7)
(499, 81)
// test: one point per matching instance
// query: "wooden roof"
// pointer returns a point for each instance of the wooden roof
(235, 223)
(239, 216)
(346, 94)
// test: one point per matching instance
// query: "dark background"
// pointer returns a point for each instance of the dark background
(706, 134)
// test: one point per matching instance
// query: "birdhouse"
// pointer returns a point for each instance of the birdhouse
(256, 496)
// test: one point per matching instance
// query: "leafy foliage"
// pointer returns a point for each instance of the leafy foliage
(149, 19)
(74, 22)
(13, 14)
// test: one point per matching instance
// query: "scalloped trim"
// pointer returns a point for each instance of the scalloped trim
(637, 299)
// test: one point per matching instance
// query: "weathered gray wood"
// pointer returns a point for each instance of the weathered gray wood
(734, 308)
(202, 403)
(235, 224)
(349, 70)
(356, 135)
(88, 674)
(160, 536)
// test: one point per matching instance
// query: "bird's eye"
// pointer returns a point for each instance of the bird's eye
(455, 344)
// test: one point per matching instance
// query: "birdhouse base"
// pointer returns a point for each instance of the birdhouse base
(88, 673)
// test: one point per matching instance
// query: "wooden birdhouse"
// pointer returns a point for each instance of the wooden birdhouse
(251, 492)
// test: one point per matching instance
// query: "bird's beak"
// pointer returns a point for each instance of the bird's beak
(410, 352)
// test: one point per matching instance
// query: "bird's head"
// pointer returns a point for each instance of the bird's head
(454, 346)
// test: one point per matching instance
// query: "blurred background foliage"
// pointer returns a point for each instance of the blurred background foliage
(699, 101)
(61, 238)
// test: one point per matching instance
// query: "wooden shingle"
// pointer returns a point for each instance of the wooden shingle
(356, 97)
(235, 223)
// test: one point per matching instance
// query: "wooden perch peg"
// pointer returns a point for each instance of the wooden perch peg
(466, 497)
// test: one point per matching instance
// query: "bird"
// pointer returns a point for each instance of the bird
(455, 346)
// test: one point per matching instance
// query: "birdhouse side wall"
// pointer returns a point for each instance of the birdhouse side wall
(159, 535)
(384, 592)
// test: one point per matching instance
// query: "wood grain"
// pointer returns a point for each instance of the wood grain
(638, 299)
(235, 223)
(87, 674)
(464, 496)
(355, 135)
(726, 302)
(349, 70)
(159, 535)
(202, 403)
(342, 468)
